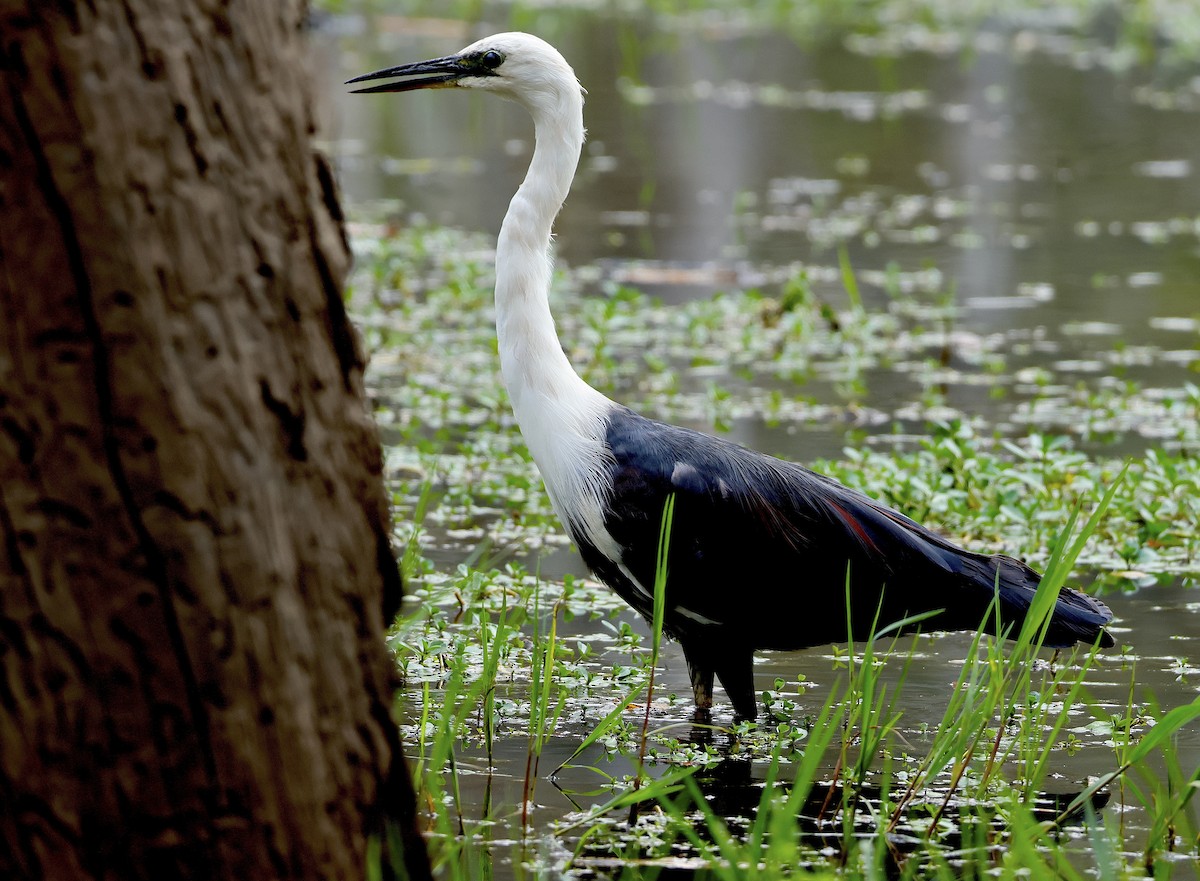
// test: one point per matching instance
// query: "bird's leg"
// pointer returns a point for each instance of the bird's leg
(701, 671)
(735, 669)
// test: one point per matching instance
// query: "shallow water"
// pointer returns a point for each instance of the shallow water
(1055, 205)
(1052, 200)
(491, 787)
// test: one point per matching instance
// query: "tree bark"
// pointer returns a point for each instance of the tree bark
(195, 568)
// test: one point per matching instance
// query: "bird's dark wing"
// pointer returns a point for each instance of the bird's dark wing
(765, 549)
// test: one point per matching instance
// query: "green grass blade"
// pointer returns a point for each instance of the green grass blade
(1153, 739)
(849, 282)
(603, 726)
(1166, 728)
(660, 574)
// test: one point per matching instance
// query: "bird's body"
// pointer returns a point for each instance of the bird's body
(762, 550)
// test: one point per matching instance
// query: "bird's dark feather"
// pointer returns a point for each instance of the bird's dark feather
(762, 547)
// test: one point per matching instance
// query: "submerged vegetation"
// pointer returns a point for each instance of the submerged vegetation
(916, 324)
(425, 302)
(515, 664)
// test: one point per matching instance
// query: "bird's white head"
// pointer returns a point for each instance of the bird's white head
(562, 418)
(519, 66)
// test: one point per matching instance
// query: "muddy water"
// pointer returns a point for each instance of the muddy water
(1056, 202)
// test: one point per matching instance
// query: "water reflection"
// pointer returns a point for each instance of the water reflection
(492, 787)
(1039, 195)
(734, 788)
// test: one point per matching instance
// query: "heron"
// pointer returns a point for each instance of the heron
(763, 552)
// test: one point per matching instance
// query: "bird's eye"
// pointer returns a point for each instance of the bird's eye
(491, 59)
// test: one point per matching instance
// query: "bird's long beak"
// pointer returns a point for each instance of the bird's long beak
(442, 72)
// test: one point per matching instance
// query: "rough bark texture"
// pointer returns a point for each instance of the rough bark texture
(195, 569)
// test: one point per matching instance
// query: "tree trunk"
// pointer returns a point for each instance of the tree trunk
(195, 572)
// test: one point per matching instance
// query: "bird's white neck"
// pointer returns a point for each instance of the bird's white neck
(562, 418)
(531, 356)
